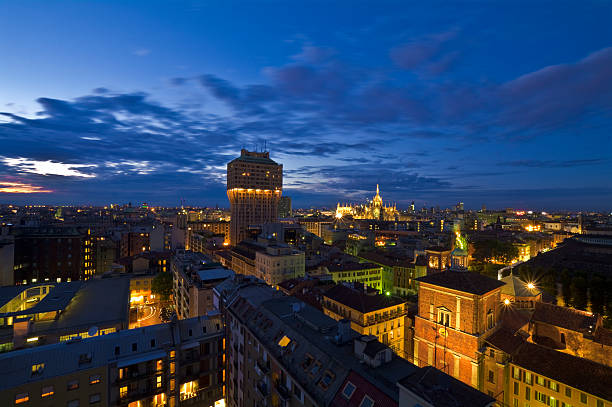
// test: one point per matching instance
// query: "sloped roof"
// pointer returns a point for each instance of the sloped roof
(568, 318)
(567, 369)
(516, 287)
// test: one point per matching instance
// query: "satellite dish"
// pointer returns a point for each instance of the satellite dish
(93, 331)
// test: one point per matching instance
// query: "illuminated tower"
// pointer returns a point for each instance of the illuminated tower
(254, 187)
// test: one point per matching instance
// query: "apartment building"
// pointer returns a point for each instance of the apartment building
(194, 277)
(370, 313)
(279, 262)
(174, 364)
(369, 274)
(283, 352)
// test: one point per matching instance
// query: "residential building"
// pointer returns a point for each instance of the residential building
(254, 187)
(172, 364)
(370, 313)
(369, 274)
(279, 262)
(52, 312)
(281, 351)
(194, 277)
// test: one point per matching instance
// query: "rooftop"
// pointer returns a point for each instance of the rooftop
(516, 287)
(63, 358)
(350, 266)
(464, 281)
(254, 157)
(567, 369)
(568, 318)
(442, 390)
(354, 297)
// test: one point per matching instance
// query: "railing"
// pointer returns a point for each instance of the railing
(384, 318)
(282, 390)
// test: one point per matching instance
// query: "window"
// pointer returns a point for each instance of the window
(84, 358)
(327, 379)
(315, 368)
(568, 392)
(490, 319)
(527, 393)
(159, 365)
(38, 369)
(95, 379)
(134, 347)
(348, 390)
(73, 385)
(516, 373)
(22, 398)
(444, 317)
(583, 398)
(73, 403)
(600, 403)
(117, 350)
(152, 343)
(47, 391)
(123, 391)
(94, 398)
(158, 381)
(491, 377)
(553, 386)
(366, 402)
(516, 388)
(528, 378)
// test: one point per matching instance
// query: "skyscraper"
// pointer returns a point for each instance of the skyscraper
(254, 187)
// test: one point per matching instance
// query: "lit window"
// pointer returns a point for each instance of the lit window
(159, 382)
(73, 385)
(38, 369)
(95, 379)
(123, 391)
(348, 390)
(47, 391)
(22, 398)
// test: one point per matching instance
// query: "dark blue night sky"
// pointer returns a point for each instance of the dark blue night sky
(496, 103)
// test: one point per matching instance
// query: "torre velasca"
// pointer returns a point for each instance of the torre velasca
(254, 188)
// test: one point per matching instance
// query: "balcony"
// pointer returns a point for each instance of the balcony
(262, 368)
(282, 390)
(384, 318)
(262, 389)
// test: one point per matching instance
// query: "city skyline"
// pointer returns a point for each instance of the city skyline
(494, 104)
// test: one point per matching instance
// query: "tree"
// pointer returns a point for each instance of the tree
(579, 292)
(487, 251)
(566, 281)
(162, 285)
(597, 290)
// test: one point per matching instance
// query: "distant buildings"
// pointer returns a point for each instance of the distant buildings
(172, 364)
(254, 188)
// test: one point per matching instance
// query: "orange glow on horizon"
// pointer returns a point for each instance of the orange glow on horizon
(21, 188)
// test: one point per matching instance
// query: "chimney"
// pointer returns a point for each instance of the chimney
(344, 331)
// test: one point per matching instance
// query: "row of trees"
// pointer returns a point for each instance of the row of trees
(577, 288)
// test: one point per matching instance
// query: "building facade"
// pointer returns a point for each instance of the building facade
(457, 311)
(370, 313)
(279, 262)
(254, 188)
(172, 364)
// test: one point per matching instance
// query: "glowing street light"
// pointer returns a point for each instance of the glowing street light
(506, 302)
(531, 286)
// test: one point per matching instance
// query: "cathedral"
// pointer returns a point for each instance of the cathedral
(373, 210)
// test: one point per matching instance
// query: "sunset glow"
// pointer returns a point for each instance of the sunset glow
(21, 188)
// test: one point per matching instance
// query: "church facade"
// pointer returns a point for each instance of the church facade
(373, 210)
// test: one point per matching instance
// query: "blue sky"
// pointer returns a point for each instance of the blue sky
(496, 103)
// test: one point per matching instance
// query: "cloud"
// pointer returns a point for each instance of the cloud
(21, 188)
(141, 52)
(422, 51)
(25, 165)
